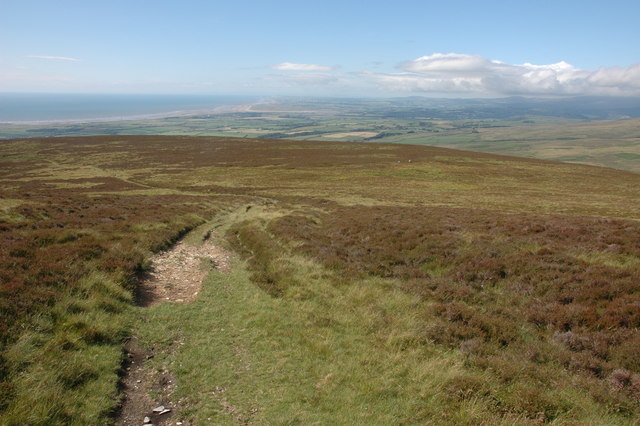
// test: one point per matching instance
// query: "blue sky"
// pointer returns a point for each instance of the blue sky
(352, 48)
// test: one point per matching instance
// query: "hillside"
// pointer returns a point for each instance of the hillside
(613, 144)
(368, 283)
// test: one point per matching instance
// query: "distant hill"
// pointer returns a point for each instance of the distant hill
(511, 108)
(582, 107)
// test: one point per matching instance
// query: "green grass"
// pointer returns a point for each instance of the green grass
(319, 353)
(326, 350)
(69, 359)
(628, 155)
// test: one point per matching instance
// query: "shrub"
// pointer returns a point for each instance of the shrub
(465, 386)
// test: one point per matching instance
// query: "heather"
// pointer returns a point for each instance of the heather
(371, 282)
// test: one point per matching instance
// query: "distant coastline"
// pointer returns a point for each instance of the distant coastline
(32, 109)
(152, 116)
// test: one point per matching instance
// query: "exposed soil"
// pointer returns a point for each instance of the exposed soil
(175, 275)
(141, 382)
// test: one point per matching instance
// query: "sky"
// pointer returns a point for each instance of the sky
(445, 48)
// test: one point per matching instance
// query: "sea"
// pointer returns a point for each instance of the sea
(32, 108)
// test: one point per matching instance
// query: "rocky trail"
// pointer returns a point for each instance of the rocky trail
(175, 276)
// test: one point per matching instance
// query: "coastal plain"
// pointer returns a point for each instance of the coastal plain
(585, 131)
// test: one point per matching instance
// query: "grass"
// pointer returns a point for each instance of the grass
(327, 347)
(373, 283)
(306, 356)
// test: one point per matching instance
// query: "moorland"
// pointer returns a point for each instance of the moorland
(370, 283)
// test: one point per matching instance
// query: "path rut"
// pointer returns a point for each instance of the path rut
(176, 276)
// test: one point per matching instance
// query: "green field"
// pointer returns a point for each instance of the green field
(368, 283)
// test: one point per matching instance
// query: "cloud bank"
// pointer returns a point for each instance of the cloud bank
(475, 75)
(290, 66)
(55, 58)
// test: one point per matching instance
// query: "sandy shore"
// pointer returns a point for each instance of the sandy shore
(153, 116)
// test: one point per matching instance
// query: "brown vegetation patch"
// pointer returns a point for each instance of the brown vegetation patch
(184, 152)
(94, 184)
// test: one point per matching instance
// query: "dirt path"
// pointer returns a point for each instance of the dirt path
(175, 275)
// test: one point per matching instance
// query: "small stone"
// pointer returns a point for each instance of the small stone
(147, 420)
(138, 381)
(158, 409)
(165, 411)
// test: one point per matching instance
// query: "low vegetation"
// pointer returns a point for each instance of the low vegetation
(522, 297)
(374, 283)
(596, 131)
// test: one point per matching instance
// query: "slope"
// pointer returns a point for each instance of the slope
(372, 281)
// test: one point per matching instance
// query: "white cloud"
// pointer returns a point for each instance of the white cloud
(55, 58)
(305, 79)
(290, 66)
(450, 63)
(476, 75)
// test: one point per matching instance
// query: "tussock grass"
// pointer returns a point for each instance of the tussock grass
(304, 356)
(511, 299)
(336, 347)
(64, 369)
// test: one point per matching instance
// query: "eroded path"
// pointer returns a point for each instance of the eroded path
(175, 276)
